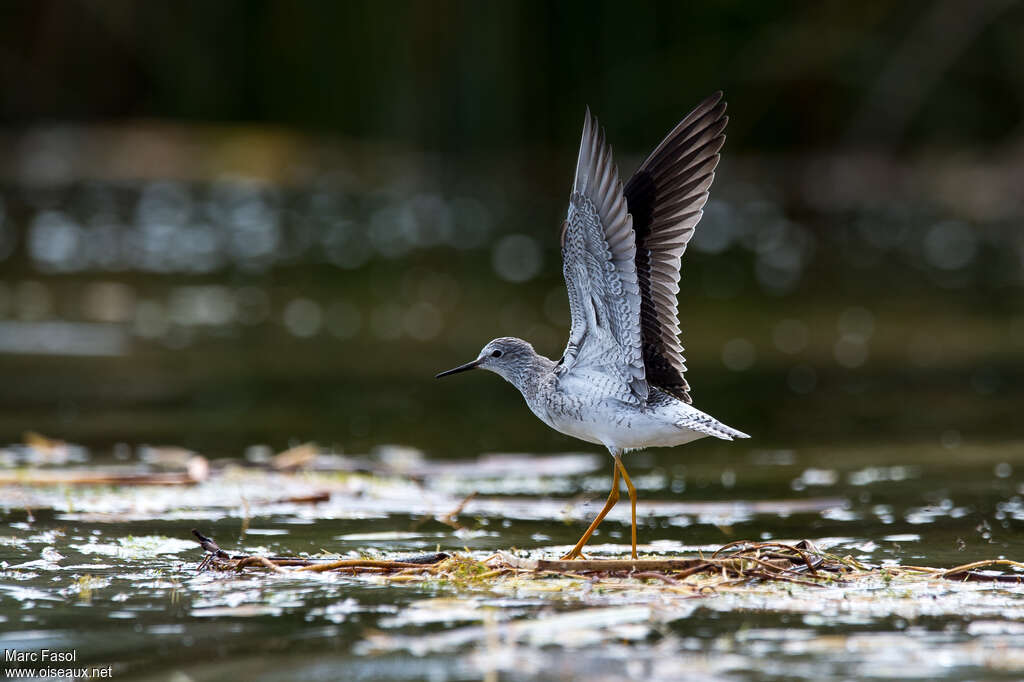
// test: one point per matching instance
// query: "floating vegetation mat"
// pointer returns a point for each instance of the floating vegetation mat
(736, 565)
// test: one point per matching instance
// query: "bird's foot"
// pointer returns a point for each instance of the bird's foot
(573, 555)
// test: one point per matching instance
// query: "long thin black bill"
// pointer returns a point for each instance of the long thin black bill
(460, 368)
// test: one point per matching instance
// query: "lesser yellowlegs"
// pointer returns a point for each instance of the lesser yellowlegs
(620, 380)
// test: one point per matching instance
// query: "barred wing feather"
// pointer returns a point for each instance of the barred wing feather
(666, 197)
(599, 264)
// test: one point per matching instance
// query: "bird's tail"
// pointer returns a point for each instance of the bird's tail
(728, 433)
(708, 425)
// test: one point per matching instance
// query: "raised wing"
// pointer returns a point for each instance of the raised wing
(599, 264)
(666, 198)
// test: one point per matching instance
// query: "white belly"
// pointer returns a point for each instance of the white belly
(624, 429)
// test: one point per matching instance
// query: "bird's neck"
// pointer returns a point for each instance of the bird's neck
(528, 376)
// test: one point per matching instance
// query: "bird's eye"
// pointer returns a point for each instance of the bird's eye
(496, 354)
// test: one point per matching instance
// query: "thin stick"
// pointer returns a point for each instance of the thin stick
(357, 563)
(82, 477)
(699, 568)
(740, 558)
(774, 576)
(655, 576)
(314, 498)
(565, 574)
(584, 565)
(259, 561)
(449, 518)
(491, 574)
(979, 564)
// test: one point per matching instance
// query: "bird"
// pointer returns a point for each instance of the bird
(620, 381)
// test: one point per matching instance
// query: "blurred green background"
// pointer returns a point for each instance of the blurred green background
(236, 223)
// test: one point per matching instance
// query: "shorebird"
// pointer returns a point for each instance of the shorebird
(620, 381)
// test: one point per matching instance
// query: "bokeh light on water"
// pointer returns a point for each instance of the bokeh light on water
(782, 295)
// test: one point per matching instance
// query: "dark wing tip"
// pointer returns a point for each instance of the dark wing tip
(709, 103)
(667, 190)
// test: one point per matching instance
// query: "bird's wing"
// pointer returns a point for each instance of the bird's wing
(599, 264)
(666, 198)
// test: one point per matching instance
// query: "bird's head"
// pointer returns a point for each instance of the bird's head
(506, 356)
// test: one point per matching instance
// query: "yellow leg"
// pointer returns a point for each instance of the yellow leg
(632, 496)
(613, 497)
